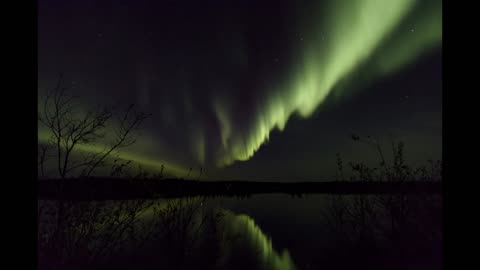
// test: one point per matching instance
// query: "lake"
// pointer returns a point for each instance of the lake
(271, 231)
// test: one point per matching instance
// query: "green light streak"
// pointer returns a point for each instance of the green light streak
(373, 38)
(124, 154)
(198, 141)
(350, 35)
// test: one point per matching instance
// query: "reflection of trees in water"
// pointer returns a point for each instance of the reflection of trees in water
(192, 233)
(187, 231)
(398, 231)
(93, 234)
(401, 231)
(183, 233)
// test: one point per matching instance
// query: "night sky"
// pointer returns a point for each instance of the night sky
(258, 90)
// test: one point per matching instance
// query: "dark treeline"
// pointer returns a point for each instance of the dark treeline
(121, 188)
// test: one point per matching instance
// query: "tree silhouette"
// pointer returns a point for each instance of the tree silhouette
(69, 129)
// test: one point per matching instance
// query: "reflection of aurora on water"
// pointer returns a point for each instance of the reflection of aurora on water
(256, 240)
(249, 241)
(242, 241)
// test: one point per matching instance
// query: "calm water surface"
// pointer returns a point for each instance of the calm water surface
(261, 232)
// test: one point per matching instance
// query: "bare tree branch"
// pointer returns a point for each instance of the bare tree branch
(69, 130)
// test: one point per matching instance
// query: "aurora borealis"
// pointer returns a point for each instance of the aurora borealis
(222, 79)
(357, 32)
(228, 100)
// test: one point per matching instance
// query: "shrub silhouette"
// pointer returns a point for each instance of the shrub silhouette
(402, 231)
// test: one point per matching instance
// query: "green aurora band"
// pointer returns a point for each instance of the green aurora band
(150, 164)
(348, 44)
(374, 35)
